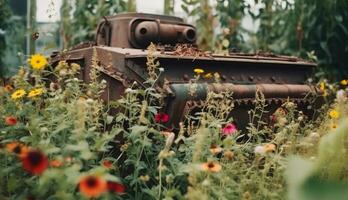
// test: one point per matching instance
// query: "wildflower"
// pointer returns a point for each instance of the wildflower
(38, 61)
(115, 187)
(260, 150)
(11, 121)
(215, 149)
(17, 148)
(107, 164)
(344, 82)
(270, 147)
(198, 71)
(35, 92)
(161, 118)
(129, 90)
(211, 167)
(334, 114)
(18, 94)
(55, 163)
(229, 129)
(35, 162)
(145, 178)
(8, 88)
(341, 95)
(322, 86)
(54, 86)
(333, 125)
(161, 69)
(92, 186)
(208, 76)
(228, 155)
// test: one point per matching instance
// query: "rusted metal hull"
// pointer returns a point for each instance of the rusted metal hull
(120, 43)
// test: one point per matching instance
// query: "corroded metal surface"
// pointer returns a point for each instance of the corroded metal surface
(120, 44)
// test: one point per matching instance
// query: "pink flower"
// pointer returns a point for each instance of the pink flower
(161, 118)
(229, 129)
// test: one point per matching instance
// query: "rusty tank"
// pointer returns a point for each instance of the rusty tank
(121, 43)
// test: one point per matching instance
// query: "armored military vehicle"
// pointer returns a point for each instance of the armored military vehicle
(121, 43)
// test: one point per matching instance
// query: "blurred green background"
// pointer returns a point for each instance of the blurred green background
(309, 29)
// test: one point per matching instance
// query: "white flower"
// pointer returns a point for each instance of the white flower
(89, 101)
(341, 95)
(129, 90)
(161, 69)
(103, 81)
(260, 150)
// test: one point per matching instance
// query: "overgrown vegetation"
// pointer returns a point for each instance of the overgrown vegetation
(59, 141)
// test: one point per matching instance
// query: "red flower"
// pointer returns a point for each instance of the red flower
(116, 187)
(107, 164)
(11, 121)
(229, 129)
(161, 118)
(92, 186)
(35, 162)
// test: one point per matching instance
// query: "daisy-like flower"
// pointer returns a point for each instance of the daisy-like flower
(38, 61)
(35, 92)
(215, 149)
(270, 147)
(10, 121)
(228, 155)
(8, 88)
(344, 82)
(18, 94)
(334, 114)
(92, 186)
(198, 71)
(35, 162)
(211, 167)
(56, 163)
(115, 187)
(18, 148)
(161, 118)
(229, 129)
(107, 164)
(208, 76)
(260, 150)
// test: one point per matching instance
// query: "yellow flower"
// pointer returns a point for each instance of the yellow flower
(334, 114)
(344, 82)
(35, 92)
(38, 61)
(198, 71)
(18, 94)
(211, 167)
(208, 76)
(322, 86)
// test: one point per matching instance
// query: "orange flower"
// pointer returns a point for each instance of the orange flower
(35, 162)
(92, 186)
(55, 163)
(107, 164)
(211, 167)
(8, 88)
(228, 155)
(20, 149)
(270, 147)
(215, 149)
(10, 120)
